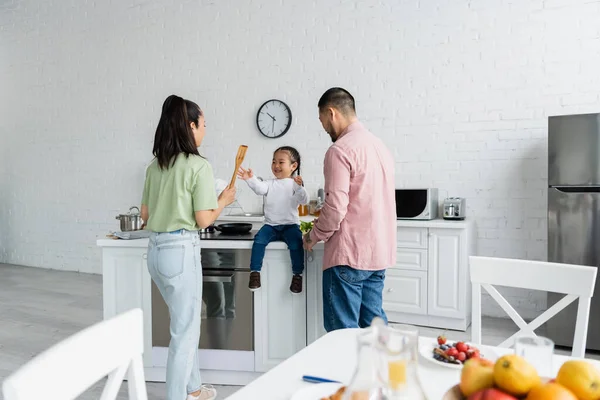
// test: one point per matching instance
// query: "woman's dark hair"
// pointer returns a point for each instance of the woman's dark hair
(294, 157)
(174, 134)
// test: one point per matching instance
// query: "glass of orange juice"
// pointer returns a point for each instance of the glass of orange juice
(402, 355)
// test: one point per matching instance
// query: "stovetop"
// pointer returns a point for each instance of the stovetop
(223, 236)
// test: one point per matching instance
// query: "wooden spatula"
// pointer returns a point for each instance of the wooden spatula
(239, 159)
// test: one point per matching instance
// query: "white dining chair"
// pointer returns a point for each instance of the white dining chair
(575, 281)
(109, 348)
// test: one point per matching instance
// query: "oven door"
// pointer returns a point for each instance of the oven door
(227, 305)
(227, 311)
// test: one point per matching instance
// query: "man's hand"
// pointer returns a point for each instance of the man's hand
(298, 180)
(308, 243)
(245, 174)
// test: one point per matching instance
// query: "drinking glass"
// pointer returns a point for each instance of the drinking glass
(401, 347)
(538, 351)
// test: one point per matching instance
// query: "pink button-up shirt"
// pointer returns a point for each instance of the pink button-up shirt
(358, 221)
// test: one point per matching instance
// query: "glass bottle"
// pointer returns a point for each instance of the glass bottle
(368, 382)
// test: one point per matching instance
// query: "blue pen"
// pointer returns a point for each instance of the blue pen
(316, 379)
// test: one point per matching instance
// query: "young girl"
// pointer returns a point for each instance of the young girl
(282, 198)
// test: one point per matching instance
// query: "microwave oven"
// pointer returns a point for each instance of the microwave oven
(417, 203)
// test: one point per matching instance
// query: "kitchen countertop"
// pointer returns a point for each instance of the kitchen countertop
(403, 223)
(206, 244)
(247, 242)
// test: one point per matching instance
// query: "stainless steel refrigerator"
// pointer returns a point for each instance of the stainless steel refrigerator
(574, 213)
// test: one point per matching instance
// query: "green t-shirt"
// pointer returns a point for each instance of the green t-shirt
(174, 194)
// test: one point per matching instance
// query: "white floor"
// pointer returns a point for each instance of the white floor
(40, 307)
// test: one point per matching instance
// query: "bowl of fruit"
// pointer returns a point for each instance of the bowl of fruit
(452, 354)
(511, 377)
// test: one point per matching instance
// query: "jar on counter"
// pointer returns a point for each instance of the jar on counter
(303, 210)
(314, 208)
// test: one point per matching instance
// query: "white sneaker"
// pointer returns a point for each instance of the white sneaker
(207, 392)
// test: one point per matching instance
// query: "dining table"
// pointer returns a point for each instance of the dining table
(334, 355)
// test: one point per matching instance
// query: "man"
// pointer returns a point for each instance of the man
(358, 220)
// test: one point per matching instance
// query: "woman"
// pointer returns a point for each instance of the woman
(179, 198)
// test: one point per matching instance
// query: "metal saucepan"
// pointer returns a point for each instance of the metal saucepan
(208, 229)
(236, 228)
(132, 221)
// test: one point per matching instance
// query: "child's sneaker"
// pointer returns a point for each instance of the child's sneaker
(254, 282)
(296, 286)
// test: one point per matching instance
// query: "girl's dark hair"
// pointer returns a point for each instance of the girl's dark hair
(174, 134)
(294, 157)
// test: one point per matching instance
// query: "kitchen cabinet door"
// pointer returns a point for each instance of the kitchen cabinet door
(413, 259)
(448, 273)
(126, 285)
(279, 315)
(314, 296)
(405, 292)
(412, 238)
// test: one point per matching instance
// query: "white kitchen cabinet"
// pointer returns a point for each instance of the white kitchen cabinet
(415, 259)
(279, 315)
(126, 284)
(448, 278)
(405, 291)
(314, 295)
(412, 237)
(429, 285)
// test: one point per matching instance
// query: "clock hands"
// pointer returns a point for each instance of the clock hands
(273, 118)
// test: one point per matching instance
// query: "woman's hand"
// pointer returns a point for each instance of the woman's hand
(205, 218)
(227, 196)
(245, 174)
(298, 180)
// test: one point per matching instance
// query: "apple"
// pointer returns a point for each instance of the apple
(491, 394)
(477, 374)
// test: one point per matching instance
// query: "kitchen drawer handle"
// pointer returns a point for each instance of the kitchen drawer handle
(390, 290)
(217, 278)
(310, 258)
(145, 256)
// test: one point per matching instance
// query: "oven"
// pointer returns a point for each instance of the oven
(227, 321)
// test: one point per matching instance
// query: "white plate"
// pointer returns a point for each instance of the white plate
(426, 352)
(316, 391)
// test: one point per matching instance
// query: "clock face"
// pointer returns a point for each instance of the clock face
(274, 118)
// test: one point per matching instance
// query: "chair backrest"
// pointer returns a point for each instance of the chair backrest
(575, 281)
(109, 348)
(537, 275)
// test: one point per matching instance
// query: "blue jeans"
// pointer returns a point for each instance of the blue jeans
(351, 297)
(290, 234)
(175, 266)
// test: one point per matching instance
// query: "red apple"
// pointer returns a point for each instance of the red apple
(491, 394)
(477, 374)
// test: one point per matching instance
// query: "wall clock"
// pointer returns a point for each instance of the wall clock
(274, 118)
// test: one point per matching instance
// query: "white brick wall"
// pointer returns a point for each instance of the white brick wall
(460, 90)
